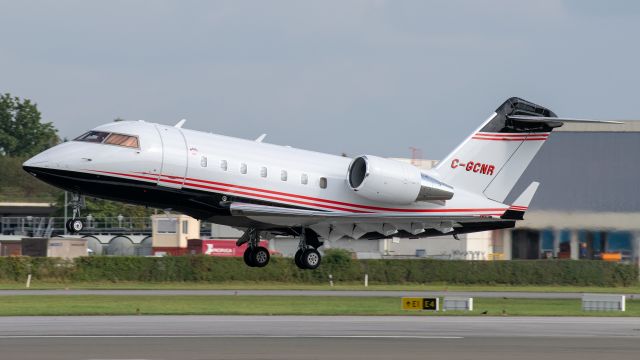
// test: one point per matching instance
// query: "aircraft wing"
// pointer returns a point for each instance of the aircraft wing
(333, 225)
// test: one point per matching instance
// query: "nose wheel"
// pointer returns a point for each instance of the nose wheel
(75, 224)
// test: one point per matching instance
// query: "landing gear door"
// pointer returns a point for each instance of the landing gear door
(174, 157)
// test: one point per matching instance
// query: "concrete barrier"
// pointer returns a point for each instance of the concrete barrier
(603, 302)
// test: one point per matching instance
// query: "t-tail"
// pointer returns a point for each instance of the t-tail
(491, 160)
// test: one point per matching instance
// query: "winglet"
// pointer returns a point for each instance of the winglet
(516, 211)
(260, 138)
(180, 123)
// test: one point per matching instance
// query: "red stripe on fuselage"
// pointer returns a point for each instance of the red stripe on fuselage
(334, 202)
(230, 188)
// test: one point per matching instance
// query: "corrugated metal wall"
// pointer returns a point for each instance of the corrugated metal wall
(586, 171)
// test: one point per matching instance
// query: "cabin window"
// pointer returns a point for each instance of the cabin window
(185, 226)
(323, 182)
(223, 165)
(304, 179)
(122, 140)
(263, 171)
(243, 168)
(203, 161)
(93, 136)
(283, 175)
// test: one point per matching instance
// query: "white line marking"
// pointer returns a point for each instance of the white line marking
(227, 336)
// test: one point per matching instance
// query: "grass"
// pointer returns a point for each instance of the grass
(30, 305)
(37, 285)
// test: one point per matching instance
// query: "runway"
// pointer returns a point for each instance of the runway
(317, 337)
(315, 293)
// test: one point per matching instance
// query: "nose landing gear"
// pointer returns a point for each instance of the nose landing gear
(75, 224)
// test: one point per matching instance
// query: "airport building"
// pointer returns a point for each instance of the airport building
(587, 206)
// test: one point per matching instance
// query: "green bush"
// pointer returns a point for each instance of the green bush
(337, 263)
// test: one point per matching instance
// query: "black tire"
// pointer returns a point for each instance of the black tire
(76, 226)
(311, 259)
(67, 225)
(248, 257)
(297, 259)
(260, 256)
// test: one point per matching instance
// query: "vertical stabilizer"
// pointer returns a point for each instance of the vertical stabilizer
(492, 159)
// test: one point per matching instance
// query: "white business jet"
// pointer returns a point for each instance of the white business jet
(268, 189)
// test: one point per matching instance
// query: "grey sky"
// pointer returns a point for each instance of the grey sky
(355, 76)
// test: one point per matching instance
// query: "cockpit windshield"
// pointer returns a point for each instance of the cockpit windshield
(93, 136)
(102, 137)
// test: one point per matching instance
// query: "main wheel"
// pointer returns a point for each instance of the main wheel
(76, 225)
(248, 257)
(260, 256)
(297, 259)
(310, 259)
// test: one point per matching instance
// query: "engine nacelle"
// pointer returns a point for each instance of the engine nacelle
(395, 182)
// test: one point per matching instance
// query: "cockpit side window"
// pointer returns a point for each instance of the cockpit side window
(122, 140)
(93, 136)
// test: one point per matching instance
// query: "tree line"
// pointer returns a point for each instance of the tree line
(24, 134)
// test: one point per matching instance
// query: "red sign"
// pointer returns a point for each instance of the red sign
(216, 247)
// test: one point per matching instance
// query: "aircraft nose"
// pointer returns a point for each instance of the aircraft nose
(36, 161)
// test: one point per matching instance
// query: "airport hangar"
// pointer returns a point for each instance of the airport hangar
(587, 207)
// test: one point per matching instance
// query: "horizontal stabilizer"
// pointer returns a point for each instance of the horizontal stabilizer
(544, 119)
(517, 210)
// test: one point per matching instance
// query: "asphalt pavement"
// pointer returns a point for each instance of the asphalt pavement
(317, 337)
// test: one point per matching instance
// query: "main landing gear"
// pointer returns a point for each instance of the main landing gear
(255, 255)
(307, 257)
(75, 224)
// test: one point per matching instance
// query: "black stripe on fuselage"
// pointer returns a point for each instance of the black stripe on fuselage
(197, 203)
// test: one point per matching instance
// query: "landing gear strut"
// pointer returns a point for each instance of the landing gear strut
(307, 257)
(255, 255)
(75, 224)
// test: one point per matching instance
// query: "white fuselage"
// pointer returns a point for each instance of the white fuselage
(224, 169)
